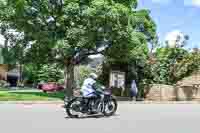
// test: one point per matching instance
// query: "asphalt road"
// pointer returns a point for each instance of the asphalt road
(139, 118)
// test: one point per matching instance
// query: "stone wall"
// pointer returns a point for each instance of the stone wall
(188, 93)
(160, 92)
(187, 89)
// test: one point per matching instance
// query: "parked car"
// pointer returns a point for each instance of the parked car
(50, 87)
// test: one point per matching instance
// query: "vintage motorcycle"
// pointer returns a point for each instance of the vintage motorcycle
(104, 104)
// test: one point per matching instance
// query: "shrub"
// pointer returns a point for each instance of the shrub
(46, 73)
(3, 83)
(118, 92)
(61, 81)
(50, 73)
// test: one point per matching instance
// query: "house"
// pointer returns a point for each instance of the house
(3, 67)
(3, 71)
(13, 76)
(7, 74)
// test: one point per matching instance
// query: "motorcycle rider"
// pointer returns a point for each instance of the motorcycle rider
(89, 85)
(89, 88)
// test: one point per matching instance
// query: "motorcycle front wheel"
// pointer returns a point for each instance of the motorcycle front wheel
(110, 107)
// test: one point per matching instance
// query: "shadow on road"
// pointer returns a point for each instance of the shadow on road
(92, 117)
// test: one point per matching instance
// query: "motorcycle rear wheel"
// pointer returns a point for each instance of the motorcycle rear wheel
(71, 107)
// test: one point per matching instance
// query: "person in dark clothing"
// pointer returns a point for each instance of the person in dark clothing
(133, 90)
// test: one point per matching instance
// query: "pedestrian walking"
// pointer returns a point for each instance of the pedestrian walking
(133, 90)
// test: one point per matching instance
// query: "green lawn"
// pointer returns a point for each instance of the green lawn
(29, 95)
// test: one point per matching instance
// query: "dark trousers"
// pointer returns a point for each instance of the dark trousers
(133, 94)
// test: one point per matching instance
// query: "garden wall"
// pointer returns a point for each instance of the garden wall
(187, 89)
(188, 93)
(160, 92)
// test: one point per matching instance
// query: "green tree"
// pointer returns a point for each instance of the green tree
(167, 61)
(68, 31)
(30, 73)
(189, 64)
(49, 73)
(46, 73)
(132, 53)
(82, 73)
(13, 49)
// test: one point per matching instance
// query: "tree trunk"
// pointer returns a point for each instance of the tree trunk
(69, 81)
(20, 73)
(5, 52)
(65, 76)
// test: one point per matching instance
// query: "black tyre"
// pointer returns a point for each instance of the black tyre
(73, 105)
(111, 105)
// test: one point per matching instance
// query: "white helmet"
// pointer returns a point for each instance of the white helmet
(93, 75)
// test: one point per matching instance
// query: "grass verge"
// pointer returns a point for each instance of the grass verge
(29, 95)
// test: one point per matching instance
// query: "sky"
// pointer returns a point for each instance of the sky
(175, 15)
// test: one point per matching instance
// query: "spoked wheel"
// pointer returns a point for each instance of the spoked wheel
(73, 108)
(110, 107)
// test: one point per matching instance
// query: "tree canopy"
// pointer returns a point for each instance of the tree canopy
(79, 28)
(68, 31)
